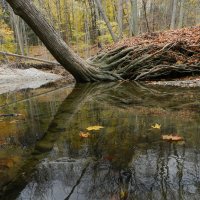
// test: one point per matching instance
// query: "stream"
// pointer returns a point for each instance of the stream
(44, 154)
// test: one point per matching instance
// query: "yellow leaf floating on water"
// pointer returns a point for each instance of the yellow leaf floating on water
(94, 128)
(172, 138)
(84, 135)
(156, 126)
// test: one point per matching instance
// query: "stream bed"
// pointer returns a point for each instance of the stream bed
(48, 153)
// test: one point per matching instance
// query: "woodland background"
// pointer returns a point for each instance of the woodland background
(89, 25)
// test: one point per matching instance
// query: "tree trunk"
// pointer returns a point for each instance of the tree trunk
(80, 69)
(144, 3)
(173, 19)
(105, 18)
(180, 23)
(120, 17)
(18, 33)
(134, 17)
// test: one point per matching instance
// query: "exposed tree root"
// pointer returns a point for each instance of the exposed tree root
(150, 62)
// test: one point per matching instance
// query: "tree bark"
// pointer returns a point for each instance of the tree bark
(80, 69)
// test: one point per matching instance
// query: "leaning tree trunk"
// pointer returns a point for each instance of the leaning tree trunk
(80, 69)
(106, 20)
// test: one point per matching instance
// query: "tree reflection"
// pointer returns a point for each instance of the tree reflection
(126, 159)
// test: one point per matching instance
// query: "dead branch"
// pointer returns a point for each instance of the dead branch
(28, 58)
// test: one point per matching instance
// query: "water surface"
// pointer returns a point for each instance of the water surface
(44, 157)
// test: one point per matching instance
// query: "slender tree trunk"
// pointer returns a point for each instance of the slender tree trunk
(198, 15)
(18, 33)
(93, 27)
(79, 68)
(134, 17)
(144, 3)
(173, 19)
(105, 18)
(120, 17)
(180, 23)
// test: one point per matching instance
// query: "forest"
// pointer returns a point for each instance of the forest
(99, 99)
(82, 25)
(88, 27)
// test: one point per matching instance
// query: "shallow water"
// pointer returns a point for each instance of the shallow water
(42, 155)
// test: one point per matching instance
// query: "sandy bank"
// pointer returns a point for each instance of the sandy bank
(17, 79)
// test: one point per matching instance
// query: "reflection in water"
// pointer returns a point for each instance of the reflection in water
(127, 158)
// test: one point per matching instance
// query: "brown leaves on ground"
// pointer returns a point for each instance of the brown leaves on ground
(186, 52)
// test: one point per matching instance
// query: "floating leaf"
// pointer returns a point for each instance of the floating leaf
(94, 128)
(156, 126)
(84, 135)
(166, 137)
(177, 138)
(172, 138)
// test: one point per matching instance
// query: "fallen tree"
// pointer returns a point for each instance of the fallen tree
(137, 62)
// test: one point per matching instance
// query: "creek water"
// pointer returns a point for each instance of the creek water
(43, 156)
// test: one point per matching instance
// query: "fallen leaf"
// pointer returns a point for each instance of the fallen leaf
(166, 137)
(177, 138)
(156, 126)
(172, 138)
(84, 135)
(94, 128)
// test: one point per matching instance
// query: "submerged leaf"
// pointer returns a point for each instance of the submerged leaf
(156, 126)
(84, 135)
(94, 128)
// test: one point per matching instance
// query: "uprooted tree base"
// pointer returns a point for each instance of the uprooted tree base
(149, 57)
(154, 59)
